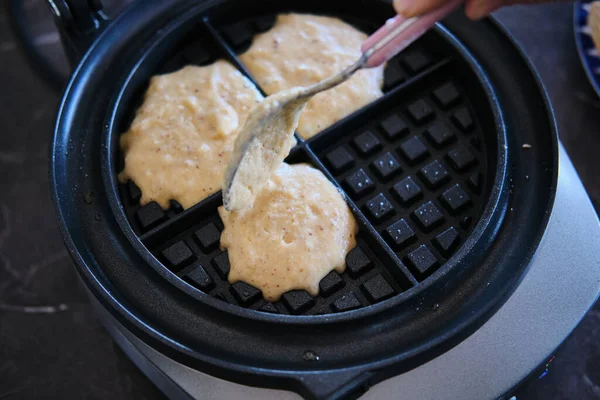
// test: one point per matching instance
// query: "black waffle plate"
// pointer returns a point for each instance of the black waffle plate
(413, 164)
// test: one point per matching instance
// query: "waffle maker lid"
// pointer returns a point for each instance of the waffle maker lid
(319, 356)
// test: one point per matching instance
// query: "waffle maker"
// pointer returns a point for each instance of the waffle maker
(478, 250)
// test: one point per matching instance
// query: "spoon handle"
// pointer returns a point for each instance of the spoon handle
(399, 32)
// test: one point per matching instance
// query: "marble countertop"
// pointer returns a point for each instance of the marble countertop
(52, 345)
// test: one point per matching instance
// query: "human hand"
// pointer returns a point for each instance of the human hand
(475, 9)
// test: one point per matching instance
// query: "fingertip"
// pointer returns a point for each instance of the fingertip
(475, 15)
(479, 9)
(405, 8)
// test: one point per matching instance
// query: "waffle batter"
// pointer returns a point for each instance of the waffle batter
(180, 142)
(301, 50)
(298, 230)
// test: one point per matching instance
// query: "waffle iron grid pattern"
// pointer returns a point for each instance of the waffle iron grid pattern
(412, 164)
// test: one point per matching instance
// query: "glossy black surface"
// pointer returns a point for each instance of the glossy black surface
(79, 363)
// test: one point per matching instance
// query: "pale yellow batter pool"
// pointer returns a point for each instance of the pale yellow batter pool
(298, 230)
(180, 142)
(301, 50)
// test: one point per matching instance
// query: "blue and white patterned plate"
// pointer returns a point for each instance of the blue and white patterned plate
(590, 57)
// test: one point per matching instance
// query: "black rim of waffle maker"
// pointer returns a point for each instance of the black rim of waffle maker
(461, 104)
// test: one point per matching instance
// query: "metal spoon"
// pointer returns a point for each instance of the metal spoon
(267, 135)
